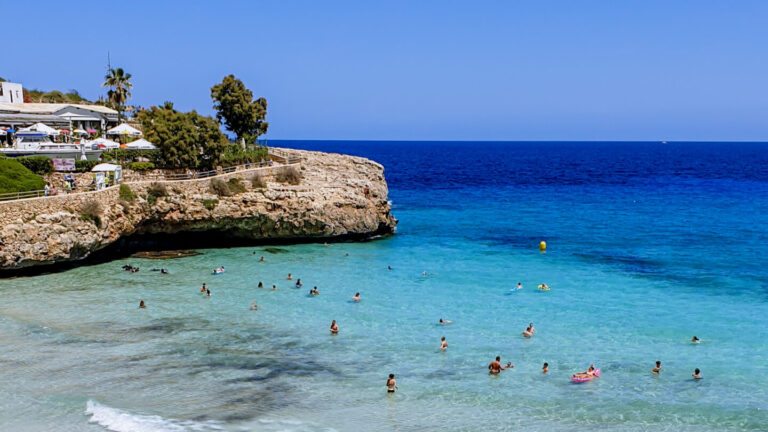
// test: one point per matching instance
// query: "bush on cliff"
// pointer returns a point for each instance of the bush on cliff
(155, 191)
(15, 177)
(91, 211)
(210, 204)
(225, 189)
(126, 194)
(257, 181)
(37, 164)
(288, 175)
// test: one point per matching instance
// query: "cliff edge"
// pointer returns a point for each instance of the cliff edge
(337, 197)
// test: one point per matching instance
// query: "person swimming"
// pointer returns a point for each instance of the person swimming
(697, 374)
(261, 285)
(529, 331)
(657, 368)
(356, 297)
(203, 288)
(444, 322)
(695, 340)
(314, 292)
(389, 268)
(163, 271)
(443, 344)
(545, 368)
(289, 276)
(496, 367)
(298, 283)
(253, 305)
(142, 305)
(208, 292)
(274, 288)
(262, 259)
(391, 384)
(334, 327)
(519, 286)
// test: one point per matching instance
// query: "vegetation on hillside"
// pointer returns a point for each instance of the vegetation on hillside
(184, 140)
(238, 112)
(14, 177)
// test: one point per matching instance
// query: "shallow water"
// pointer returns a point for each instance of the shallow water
(648, 245)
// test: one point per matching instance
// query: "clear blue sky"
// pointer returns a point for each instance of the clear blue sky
(419, 70)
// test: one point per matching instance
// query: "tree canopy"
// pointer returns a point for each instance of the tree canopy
(184, 140)
(120, 86)
(237, 110)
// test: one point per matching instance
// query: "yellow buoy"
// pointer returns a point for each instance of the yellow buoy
(543, 246)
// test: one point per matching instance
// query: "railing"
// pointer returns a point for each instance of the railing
(21, 195)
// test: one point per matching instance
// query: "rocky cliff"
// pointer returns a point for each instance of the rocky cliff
(337, 197)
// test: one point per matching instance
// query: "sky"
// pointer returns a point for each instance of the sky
(420, 70)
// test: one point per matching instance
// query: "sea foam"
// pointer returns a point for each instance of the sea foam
(117, 420)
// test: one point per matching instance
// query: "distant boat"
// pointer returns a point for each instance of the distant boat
(33, 143)
(663, 142)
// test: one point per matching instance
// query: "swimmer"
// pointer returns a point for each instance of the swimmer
(261, 285)
(529, 331)
(253, 305)
(334, 327)
(274, 288)
(142, 305)
(695, 340)
(496, 367)
(544, 286)
(391, 384)
(163, 271)
(545, 368)
(589, 373)
(346, 254)
(697, 374)
(208, 292)
(289, 276)
(389, 267)
(444, 322)
(656, 369)
(262, 259)
(443, 344)
(203, 289)
(425, 273)
(298, 283)
(519, 285)
(356, 297)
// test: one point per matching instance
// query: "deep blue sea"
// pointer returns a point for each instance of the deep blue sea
(648, 244)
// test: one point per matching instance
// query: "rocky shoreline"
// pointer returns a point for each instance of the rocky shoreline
(338, 198)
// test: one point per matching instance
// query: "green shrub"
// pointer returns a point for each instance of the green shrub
(141, 166)
(288, 175)
(15, 177)
(126, 194)
(210, 204)
(85, 165)
(235, 186)
(37, 164)
(155, 191)
(220, 188)
(235, 155)
(129, 155)
(257, 181)
(91, 211)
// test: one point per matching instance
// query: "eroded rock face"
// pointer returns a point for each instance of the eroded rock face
(339, 196)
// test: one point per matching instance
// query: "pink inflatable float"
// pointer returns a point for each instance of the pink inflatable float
(585, 379)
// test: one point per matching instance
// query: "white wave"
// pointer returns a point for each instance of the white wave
(117, 420)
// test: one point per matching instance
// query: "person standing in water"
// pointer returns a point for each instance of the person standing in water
(203, 288)
(443, 344)
(289, 277)
(391, 384)
(657, 369)
(356, 297)
(274, 288)
(334, 327)
(545, 368)
(697, 374)
(142, 305)
(519, 286)
(298, 283)
(528, 332)
(261, 285)
(496, 367)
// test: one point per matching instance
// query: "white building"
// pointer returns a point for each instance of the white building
(11, 93)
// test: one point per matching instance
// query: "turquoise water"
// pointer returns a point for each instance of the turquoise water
(643, 254)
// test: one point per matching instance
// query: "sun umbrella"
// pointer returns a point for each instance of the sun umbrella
(64, 131)
(81, 132)
(91, 130)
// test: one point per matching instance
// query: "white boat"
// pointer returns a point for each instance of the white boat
(33, 143)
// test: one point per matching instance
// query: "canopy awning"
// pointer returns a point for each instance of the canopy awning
(106, 167)
(40, 127)
(141, 144)
(103, 142)
(81, 131)
(124, 129)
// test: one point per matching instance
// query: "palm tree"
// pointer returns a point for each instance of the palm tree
(117, 79)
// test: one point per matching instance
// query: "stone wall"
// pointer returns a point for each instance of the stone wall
(338, 196)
